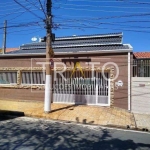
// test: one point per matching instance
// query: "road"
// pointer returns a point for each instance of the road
(25, 133)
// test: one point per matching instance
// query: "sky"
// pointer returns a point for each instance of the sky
(77, 17)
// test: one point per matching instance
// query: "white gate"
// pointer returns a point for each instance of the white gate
(81, 88)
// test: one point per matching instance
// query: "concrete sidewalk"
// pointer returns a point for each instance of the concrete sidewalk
(97, 115)
(142, 121)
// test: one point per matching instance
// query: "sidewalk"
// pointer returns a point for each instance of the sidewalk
(96, 115)
(87, 115)
(142, 121)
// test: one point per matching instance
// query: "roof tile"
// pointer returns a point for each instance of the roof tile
(11, 49)
(142, 54)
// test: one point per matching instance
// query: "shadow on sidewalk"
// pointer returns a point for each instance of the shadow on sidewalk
(70, 107)
(84, 121)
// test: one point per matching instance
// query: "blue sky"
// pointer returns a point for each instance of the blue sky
(78, 17)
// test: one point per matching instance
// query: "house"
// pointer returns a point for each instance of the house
(141, 64)
(9, 50)
(96, 69)
(141, 83)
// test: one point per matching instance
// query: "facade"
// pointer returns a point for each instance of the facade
(96, 70)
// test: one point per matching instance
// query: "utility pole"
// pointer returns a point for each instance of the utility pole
(4, 37)
(49, 55)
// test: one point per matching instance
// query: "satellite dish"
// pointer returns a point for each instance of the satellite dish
(34, 39)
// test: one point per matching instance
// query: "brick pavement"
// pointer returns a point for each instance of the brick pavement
(76, 113)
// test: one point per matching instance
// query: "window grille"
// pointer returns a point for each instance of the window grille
(33, 77)
(8, 77)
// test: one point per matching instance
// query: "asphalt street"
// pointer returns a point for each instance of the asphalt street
(25, 133)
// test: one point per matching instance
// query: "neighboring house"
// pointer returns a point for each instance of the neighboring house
(141, 82)
(22, 69)
(141, 64)
(9, 50)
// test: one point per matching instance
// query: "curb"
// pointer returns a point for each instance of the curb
(12, 114)
(127, 127)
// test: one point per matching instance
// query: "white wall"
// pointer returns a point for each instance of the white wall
(140, 95)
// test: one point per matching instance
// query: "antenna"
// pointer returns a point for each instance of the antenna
(34, 39)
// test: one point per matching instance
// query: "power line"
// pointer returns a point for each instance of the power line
(42, 8)
(21, 22)
(12, 4)
(102, 23)
(27, 9)
(24, 33)
(21, 25)
(79, 9)
(96, 27)
(33, 4)
(83, 5)
(112, 17)
(29, 32)
(92, 21)
(16, 12)
(18, 15)
(24, 30)
(121, 1)
(13, 9)
(7, 3)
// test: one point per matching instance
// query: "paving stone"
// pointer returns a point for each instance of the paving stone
(77, 113)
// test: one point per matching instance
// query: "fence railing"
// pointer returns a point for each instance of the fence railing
(141, 68)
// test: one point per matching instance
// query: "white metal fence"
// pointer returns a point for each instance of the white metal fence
(81, 88)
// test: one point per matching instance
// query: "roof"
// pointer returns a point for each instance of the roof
(9, 50)
(76, 49)
(120, 34)
(78, 44)
(141, 55)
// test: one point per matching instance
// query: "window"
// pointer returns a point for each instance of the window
(8, 77)
(33, 77)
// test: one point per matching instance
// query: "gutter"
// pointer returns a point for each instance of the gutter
(65, 53)
(70, 53)
(129, 81)
(22, 55)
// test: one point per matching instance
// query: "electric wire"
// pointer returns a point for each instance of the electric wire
(99, 10)
(42, 8)
(27, 9)
(98, 6)
(121, 1)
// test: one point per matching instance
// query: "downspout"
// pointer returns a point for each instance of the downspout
(129, 81)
